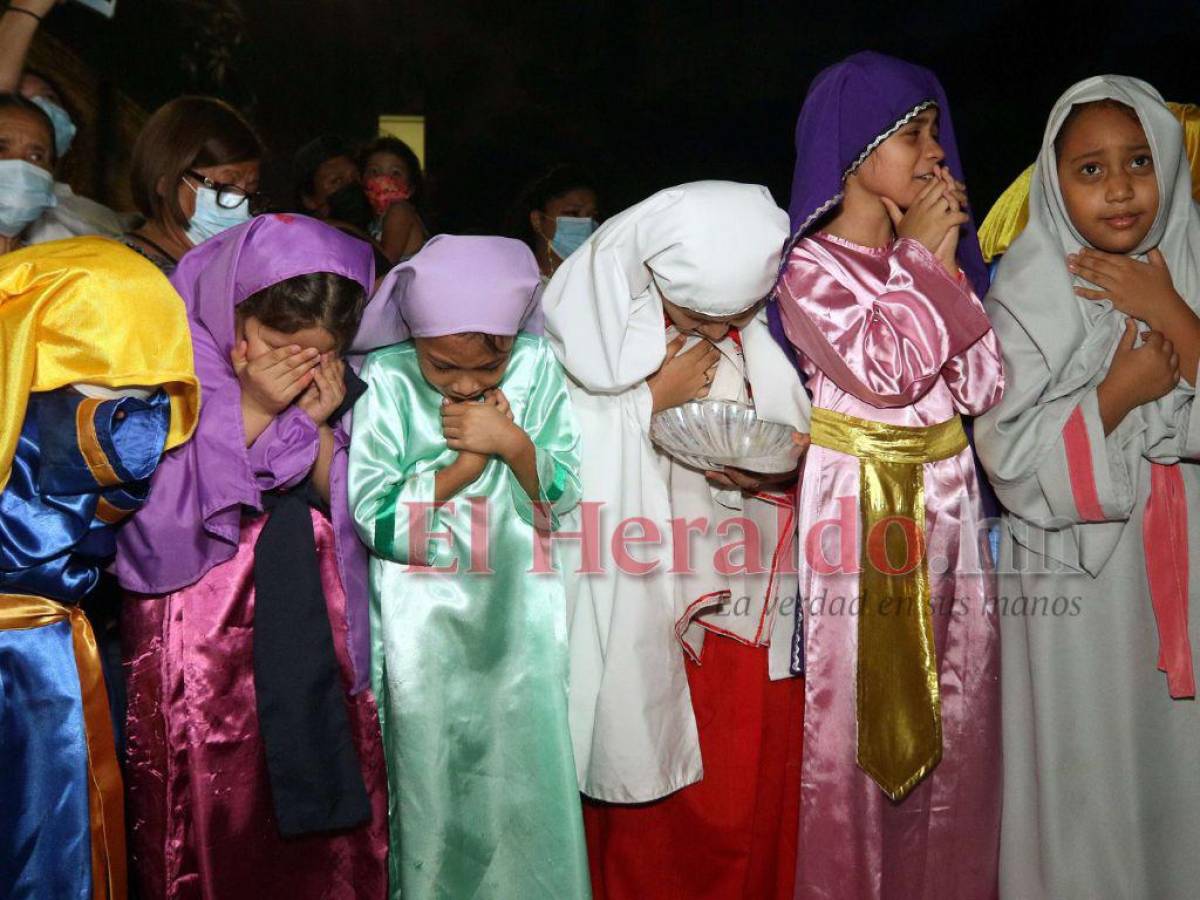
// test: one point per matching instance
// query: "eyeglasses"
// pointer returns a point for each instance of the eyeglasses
(231, 196)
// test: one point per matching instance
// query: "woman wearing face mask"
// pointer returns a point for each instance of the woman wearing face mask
(71, 215)
(194, 174)
(26, 163)
(556, 214)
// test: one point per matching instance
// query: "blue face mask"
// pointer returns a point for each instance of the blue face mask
(210, 219)
(569, 234)
(64, 128)
(26, 191)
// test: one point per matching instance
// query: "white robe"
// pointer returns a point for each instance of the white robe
(713, 248)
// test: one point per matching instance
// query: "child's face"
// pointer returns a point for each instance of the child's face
(904, 164)
(261, 339)
(462, 366)
(1107, 178)
(714, 328)
(384, 163)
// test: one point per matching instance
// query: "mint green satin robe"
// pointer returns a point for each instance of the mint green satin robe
(470, 669)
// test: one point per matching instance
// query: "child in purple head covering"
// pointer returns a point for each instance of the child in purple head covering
(879, 296)
(465, 452)
(254, 767)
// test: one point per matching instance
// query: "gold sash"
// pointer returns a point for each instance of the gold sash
(898, 705)
(105, 797)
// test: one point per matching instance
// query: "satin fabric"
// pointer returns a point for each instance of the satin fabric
(886, 335)
(89, 310)
(45, 849)
(56, 520)
(1010, 213)
(201, 817)
(1100, 774)
(192, 521)
(470, 665)
(850, 109)
(106, 812)
(899, 709)
(733, 834)
(81, 466)
(455, 284)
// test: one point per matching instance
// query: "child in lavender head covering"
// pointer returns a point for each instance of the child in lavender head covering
(255, 763)
(465, 452)
(879, 296)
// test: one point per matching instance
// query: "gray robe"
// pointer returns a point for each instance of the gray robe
(1101, 765)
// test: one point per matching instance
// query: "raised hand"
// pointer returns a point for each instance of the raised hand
(480, 427)
(327, 390)
(1136, 375)
(496, 397)
(273, 380)
(935, 213)
(683, 376)
(1138, 289)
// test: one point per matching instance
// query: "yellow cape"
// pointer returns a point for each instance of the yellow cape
(90, 310)
(1008, 216)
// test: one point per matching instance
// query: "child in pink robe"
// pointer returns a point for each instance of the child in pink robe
(889, 329)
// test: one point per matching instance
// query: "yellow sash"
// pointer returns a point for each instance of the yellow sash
(898, 705)
(105, 797)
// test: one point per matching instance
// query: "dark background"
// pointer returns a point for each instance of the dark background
(645, 94)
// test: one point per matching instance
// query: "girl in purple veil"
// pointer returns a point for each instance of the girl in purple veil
(255, 765)
(879, 296)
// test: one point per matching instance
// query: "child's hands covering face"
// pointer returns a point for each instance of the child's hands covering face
(327, 391)
(273, 380)
(1138, 289)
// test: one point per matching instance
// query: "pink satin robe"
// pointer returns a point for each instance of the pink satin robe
(885, 334)
(201, 820)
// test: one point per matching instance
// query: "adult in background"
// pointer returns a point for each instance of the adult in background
(555, 214)
(26, 166)
(195, 173)
(71, 215)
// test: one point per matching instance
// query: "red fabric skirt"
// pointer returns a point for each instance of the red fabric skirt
(733, 835)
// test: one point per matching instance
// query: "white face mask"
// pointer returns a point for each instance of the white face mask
(26, 191)
(210, 218)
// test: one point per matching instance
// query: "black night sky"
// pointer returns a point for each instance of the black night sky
(645, 94)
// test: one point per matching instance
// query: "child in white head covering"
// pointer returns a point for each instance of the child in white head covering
(661, 306)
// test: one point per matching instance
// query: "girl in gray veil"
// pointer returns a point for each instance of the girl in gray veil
(1093, 453)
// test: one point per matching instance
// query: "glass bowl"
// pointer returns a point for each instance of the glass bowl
(712, 434)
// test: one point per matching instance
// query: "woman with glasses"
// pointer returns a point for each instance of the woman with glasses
(195, 173)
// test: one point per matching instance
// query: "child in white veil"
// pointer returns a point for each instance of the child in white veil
(663, 305)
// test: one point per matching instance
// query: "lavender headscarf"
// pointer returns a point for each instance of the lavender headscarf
(455, 284)
(192, 520)
(851, 108)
